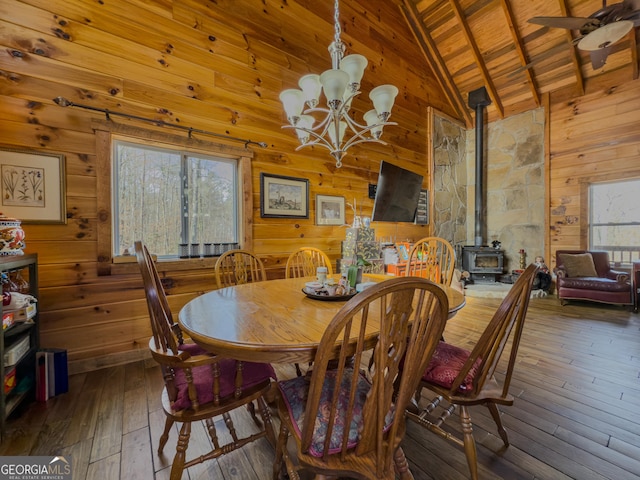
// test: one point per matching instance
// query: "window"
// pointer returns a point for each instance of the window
(171, 197)
(614, 219)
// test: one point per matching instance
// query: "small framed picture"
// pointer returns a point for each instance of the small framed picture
(33, 186)
(329, 210)
(422, 212)
(283, 197)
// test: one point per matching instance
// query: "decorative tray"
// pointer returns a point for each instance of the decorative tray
(330, 298)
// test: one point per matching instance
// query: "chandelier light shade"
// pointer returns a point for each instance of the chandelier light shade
(339, 85)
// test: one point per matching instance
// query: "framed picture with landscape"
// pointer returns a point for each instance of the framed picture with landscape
(33, 186)
(329, 210)
(283, 197)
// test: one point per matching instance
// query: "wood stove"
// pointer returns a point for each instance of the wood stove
(484, 264)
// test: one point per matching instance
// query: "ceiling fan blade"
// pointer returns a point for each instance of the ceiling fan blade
(605, 36)
(571, 23)
(631, 5)
(634, 17)
(599, 57)
(609, 13)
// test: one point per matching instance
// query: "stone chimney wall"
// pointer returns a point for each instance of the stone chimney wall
(515, 186)
(450, 182)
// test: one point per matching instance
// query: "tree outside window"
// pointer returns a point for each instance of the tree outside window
(170, 197)
(614, 219)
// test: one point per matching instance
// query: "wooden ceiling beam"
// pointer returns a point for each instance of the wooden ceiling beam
(486, 77)
(429, 50)
(517, 41)
(574, 53)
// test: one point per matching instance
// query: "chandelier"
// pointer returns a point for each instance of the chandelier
(340, 85)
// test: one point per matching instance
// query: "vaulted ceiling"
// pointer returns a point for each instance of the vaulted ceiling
(475, 43)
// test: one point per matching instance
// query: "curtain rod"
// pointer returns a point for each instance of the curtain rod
(63, 102)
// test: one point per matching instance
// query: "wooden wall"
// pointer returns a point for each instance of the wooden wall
(591, 138)
(216, 66)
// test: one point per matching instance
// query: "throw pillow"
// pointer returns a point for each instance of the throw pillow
(579, 264)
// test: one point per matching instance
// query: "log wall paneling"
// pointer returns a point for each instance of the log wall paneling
(592, 138)
(215, 67)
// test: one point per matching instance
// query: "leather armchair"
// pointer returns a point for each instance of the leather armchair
(606, 286)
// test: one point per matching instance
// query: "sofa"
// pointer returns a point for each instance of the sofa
(587, 275)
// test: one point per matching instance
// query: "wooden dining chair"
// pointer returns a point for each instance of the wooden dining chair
(346, 420)
(460, 378)
(432, 258)
(199, 385)
(304, 261)
(236, 267)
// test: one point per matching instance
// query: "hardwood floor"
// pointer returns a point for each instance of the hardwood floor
(576, 415)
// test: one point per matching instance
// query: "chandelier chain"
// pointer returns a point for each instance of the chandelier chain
(336, 22)
(339, 85)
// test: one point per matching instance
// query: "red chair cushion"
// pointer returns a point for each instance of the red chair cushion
(252, 374)
(445, 365)
(193, 349)
(295, 392)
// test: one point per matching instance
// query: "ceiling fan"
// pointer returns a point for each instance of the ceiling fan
(601, 29)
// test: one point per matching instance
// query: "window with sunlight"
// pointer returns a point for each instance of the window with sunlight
(614, 219)
(170, 197)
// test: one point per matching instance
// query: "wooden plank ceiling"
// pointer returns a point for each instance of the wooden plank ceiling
(475, 43)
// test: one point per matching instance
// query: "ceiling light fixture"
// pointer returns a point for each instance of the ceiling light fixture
(340, 85)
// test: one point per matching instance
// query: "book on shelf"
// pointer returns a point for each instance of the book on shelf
(52, 376)
(58, 371)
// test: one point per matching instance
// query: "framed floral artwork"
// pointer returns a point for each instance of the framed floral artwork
(33, 186)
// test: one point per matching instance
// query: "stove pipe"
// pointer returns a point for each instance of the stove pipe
(478, 100)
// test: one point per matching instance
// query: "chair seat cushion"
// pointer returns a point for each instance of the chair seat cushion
(445, 365)
(193, 349)
(294, 393)
(595, 283)
(252, 375)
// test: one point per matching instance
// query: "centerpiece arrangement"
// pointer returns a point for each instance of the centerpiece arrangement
(329, 289)
(361, 251)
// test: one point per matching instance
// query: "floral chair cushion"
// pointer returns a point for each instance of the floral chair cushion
(294, 393)
(252, 374)
(445, 365)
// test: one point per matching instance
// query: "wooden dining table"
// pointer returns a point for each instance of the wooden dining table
(272, 321)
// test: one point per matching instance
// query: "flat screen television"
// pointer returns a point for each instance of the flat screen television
(397, 194)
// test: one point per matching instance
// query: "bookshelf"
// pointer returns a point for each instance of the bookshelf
(20, 338)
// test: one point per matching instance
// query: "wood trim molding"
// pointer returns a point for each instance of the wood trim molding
(431, 113)
(105, 131)
(246, 210)
(103, 193)
(546, 105)
(634, 41)
(109, 360)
